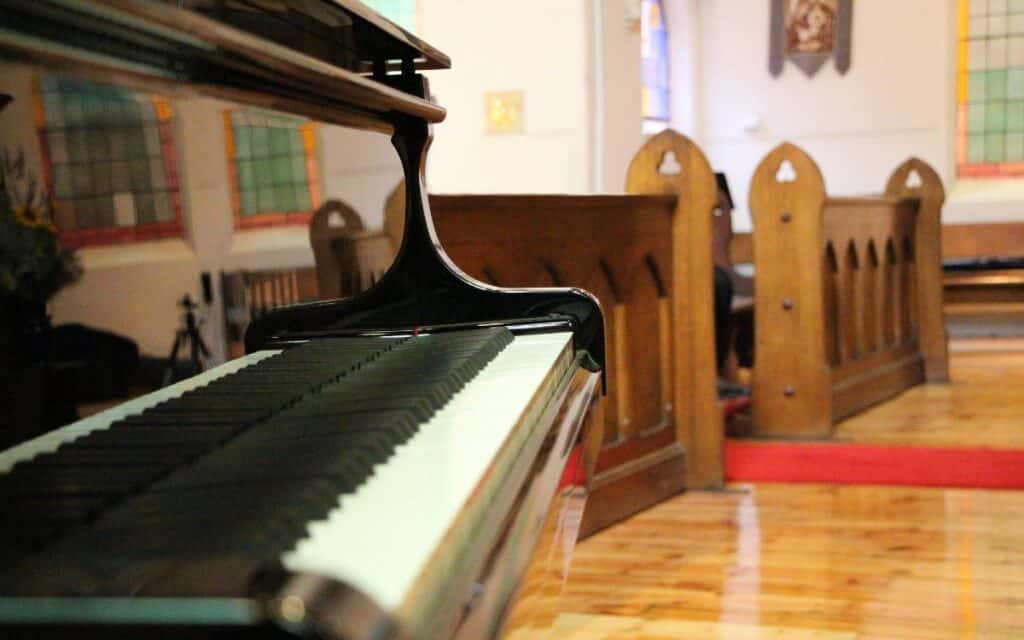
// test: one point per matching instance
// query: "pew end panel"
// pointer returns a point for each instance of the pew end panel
(849, 293)
(671, 163)
(916, 179)
(791, 392)
(332, 220)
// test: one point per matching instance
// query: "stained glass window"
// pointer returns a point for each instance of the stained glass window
(990, 88)
(654, 56)
(109, 161)
(272, 161)
(401, 12)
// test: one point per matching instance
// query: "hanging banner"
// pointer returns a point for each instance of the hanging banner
(809, 32)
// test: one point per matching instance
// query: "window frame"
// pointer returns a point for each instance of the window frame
(268, 219)
(654, 123)
(115, 235)
(965, 168)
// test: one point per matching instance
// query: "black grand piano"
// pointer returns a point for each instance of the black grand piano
(376, 467)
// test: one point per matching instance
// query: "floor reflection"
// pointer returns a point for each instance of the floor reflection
(805, 561)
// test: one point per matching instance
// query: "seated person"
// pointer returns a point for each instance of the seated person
(723, 292)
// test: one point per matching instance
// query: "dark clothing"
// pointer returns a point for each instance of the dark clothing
(723, 316)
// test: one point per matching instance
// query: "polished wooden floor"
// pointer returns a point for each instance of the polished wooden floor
(804, 561)
(983, 406)
(816, 561)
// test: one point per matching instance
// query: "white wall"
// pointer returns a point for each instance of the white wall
(619, 114)
(361, 168)
(683, 19)
(536, 46)
(894, 102)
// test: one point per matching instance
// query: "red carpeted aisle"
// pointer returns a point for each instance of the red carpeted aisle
(748, 461)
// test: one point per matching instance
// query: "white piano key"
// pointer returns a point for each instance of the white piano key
(52, 440)
(379, 538)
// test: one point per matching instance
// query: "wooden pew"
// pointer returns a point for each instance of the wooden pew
(983, 279)
(249, 293)
(976, 302)
(848, 296)
(647, 258)
(349, 259)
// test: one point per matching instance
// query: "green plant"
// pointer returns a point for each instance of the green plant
(33, 265)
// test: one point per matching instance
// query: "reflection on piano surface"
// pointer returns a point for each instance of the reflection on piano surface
(376, 467)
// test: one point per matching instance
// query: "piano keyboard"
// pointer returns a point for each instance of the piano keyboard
(49, 442)
(427, 481)
(347, 458)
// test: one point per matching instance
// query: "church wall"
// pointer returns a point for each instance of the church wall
(539, 47)
(895, 101)
(619, 114)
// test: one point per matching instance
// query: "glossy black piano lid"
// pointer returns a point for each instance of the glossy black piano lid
(312, 66)
(343, 32)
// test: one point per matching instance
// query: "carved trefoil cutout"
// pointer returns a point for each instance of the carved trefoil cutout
(809, 32)
(669, 165)
(786, 172)
(913, 179)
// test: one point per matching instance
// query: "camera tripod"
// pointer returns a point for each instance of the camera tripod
(188, 334)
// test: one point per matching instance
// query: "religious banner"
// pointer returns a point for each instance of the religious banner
(809, 32)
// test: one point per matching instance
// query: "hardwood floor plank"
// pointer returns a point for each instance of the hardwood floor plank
(804, 561)
(981, 407)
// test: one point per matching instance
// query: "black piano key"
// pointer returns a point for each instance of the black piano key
(141, 449)
(222, 474)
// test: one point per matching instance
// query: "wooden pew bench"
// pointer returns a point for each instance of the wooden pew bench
(250, 293)
(848, 293)
(983, 280)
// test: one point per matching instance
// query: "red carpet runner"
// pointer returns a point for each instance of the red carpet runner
(747, 461)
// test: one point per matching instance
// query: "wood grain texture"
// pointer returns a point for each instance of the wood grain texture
(791, 390)
(693, 359)
(804, 561)
(619, 249)
(983, 240)
(928, 252)
(973, 297)
(741, 247)
(982, 407)
(977, 240)
(848, 297)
